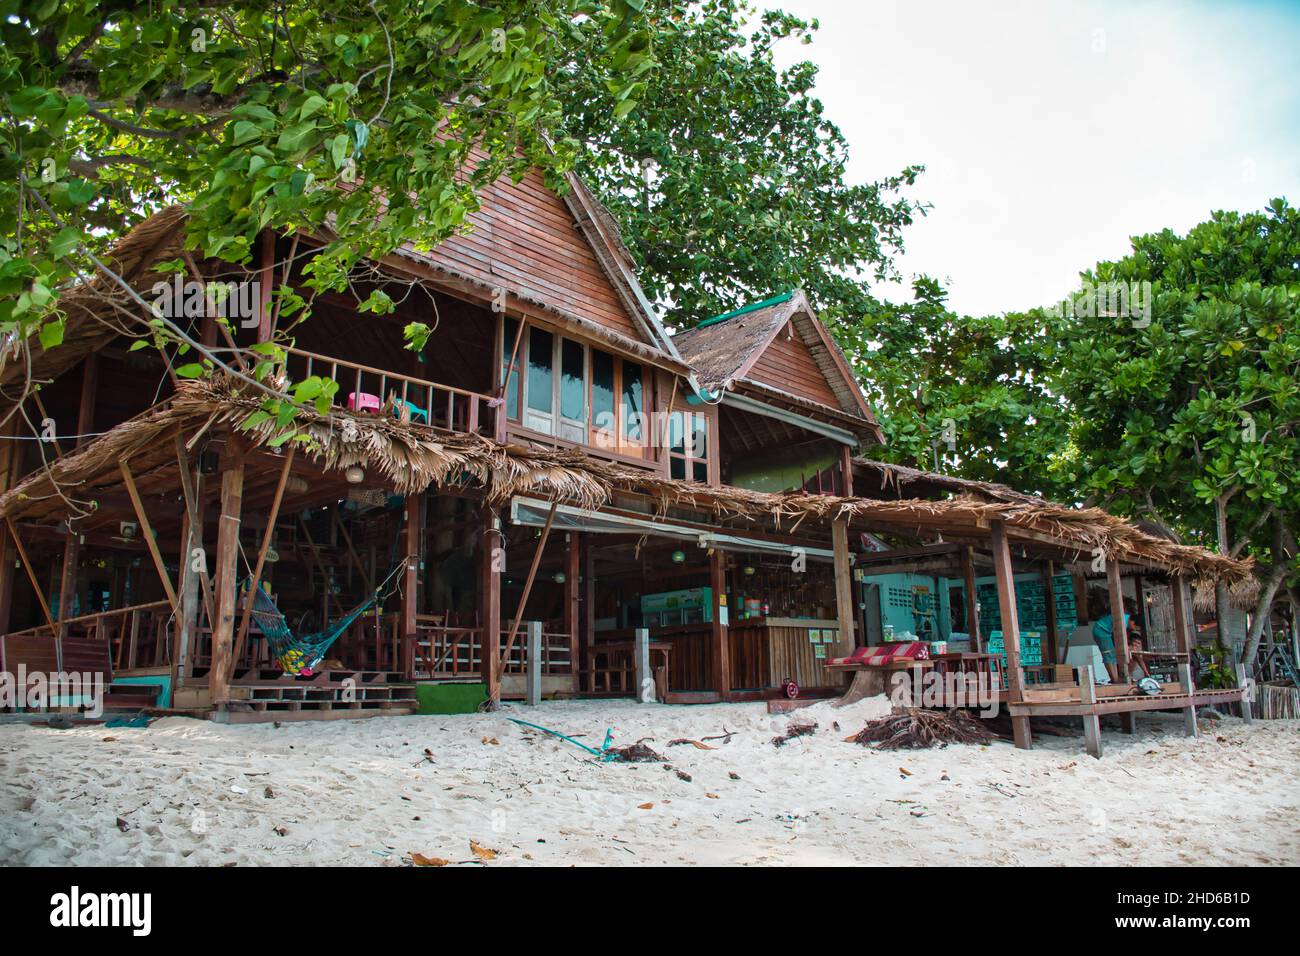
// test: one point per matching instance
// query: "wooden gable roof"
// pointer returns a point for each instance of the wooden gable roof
(561, 252)
(780, 346)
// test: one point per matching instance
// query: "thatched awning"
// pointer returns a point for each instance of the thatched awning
(414, 457)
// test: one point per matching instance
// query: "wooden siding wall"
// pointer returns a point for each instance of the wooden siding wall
(524, 239)
(787, 364)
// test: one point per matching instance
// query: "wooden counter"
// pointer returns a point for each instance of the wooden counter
(765, 651)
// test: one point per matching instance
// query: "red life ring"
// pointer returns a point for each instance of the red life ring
(790, 688)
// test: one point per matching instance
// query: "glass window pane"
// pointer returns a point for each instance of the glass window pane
(676, 438)
(701, 471)
(633, 404)
(700, 443)
(573, 381)
(540, 376)
(507, 348)
(677, 467)
(602, 393)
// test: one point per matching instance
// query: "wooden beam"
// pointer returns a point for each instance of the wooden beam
(528, 583)
(256, 581)
(68, 577)
(190, 491)
(490, 604)
(1049, 596)
(31, 574)
(1120, 634)
(845, 606)
(223, 627)
(1010, 631)
(972, 602)
(1178, 593)
(411, 586)
(146, 530)
(719, 652)
(572, 610)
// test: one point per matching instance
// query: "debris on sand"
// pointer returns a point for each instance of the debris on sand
(694, 743)
(633, 753)
(916, 729)
(793, 731)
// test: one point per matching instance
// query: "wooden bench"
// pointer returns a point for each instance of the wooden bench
(73, 655)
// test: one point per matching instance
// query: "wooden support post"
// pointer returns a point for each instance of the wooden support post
(846, 470)
(31, 575)
(1005, 573)
(1120, 633)
(589, 612)
(256, 581)
(1049, 596)
(411, 586)
(1091, 722)
(719, 650)
(68, 577)
(1247, 701)
(645, 682)
(846, 611)
(146, 532)
(491, 559)
(528, 582)
(1178, 594)
(194, 505)
(223, 627)
(972, 604)
(572, 607)
(533, 669)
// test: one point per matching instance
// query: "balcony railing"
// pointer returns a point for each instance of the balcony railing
(365, 389)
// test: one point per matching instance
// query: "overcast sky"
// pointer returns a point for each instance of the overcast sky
(1053, 130)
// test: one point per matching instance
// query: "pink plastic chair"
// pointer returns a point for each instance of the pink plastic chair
(363, 402)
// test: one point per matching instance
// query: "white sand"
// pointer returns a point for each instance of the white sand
(360, 792)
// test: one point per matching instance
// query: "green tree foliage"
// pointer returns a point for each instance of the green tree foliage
(966, 395)
(356, 116)
(1187, 407)
(728, 179)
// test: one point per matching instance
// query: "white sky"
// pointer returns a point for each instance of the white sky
(1052, 131)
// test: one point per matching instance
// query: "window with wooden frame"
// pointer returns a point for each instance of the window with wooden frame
(562, 387)
(688, 446)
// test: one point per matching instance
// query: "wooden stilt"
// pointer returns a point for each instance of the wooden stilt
(1049, 596)
(411, 583)
(1004, 571)
(68, 578)
(223, 627)
(1091, 722)
(194, 507)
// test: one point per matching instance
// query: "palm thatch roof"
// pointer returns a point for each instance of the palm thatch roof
(414, 457)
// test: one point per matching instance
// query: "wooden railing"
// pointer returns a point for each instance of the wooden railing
(138, 634)
(557, 656)
(362, 388)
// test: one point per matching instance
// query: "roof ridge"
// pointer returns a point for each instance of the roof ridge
(752, 307)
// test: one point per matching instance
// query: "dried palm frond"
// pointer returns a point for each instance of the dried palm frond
(917, 729)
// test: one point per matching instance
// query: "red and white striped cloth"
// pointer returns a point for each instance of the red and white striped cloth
(884, 653)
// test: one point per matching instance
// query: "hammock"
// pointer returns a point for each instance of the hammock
(299, 655)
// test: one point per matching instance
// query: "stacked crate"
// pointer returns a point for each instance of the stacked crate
(1031, 606)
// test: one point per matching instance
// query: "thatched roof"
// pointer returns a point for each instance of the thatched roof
(91, 306)
(884, 480)
(414, 457)
(722, 350)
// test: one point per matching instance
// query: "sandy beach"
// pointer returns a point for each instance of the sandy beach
(374, 792)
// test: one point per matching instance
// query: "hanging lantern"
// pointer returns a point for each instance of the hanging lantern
(748, 570)
(679, 557)
(559, 577)
(355, 475)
